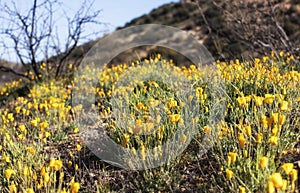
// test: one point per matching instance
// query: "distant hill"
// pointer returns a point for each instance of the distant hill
(228, 29)
(211, 23)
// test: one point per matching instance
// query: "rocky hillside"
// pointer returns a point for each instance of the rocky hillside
(231, 29)
(228, 29)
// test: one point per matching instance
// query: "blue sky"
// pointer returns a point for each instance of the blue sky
(119, 12)
(114, 13)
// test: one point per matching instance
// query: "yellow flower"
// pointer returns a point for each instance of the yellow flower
(232, 156)
(43, 125)
(30, 150)
(269, 98)
(275, 117)
(34, 122)
(242, 101)
(10, 117)
(140, 106)
(271, 187)
(259, 138)
(125, 140)
(247, 129)
(293, 174)
(5, 158)
(46, 177)
(282, 119)
(174, 118)
(172, 103)
(263, 162)
(274, 130)
(242, 139)
(287, 167)
(273, 140)
(12, 188)
(56, 164)
(228, 160)
(242, 189)
(47, 134)
(264, 121)
(75, 186)
(23, 128)
(207, 129)
(27, 171)
(9, 172)
(75, 130)
(276, 179)
(70, 163)
(258, 100)
(229, 174)
(284, 106)
(284, 185)
(78, 147)
(29, 190)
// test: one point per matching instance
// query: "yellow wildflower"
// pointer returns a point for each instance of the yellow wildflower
(287, 167)
(70, 163)
(242, 139)
(264, 121)
(63, 190)
(284, 106)
(75, 186)
(258, 100)
(274, 130)
(276, 179)
(78, 147)
(247, 129)
(273, 140)
(9, 172)
(29, 190)
(242, 101)
(75, 130)
(55, 164)
(284, 185)
(34, 122)
(229, 174)
(293, 174)
(46, 177)
(275, 117)
(12, 188)
(23, 128)
(271, 187)
(232, 156)
(30, 150)
(242, 189)
(263, 162)
(174, 118)
(282, 119)
(269, 98)
(43, 125)
(207, 129)
(259, 138)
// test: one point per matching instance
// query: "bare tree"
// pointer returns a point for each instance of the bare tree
(256, 26)
(33, 34)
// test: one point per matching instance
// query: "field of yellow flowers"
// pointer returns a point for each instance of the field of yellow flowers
(256, 147)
